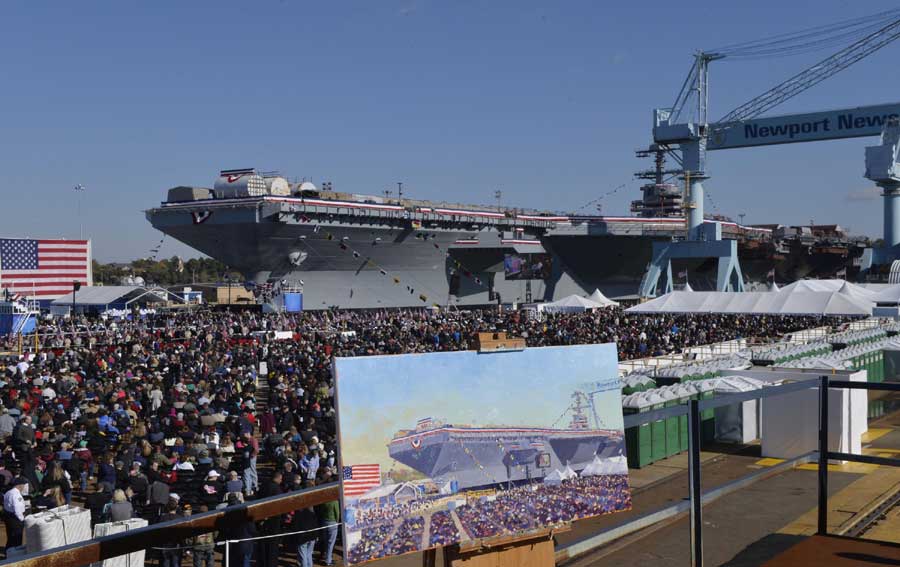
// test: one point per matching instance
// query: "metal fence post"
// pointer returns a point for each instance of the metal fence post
(694, 479)
(823, 455)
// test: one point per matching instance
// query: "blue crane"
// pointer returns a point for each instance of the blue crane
(742, 127)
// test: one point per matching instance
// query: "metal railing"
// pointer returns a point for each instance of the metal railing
(165, 533)
(119, 544)
(694, 504)
(824, 384)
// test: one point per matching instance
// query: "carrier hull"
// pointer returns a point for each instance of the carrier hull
(358, 257)
(480, 457)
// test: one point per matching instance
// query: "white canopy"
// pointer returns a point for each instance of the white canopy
(797, 300)
(556, 477)
(598, 297)
(568, 473)
(889, 295)
(611, 465)
(575, 303)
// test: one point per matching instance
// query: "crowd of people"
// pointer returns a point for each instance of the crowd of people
(520, 509)
(443, 530)
(157, 416)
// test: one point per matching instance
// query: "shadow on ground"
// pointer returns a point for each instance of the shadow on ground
(763, 549)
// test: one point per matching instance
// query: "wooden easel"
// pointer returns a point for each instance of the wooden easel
(531, 549)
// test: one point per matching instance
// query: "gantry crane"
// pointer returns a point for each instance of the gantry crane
(693, 137)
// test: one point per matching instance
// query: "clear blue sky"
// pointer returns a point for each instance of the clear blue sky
(544, 100)
(379, 395)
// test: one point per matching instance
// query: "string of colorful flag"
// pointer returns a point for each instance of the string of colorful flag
(481, 467)
(601, 197)
(155, 250)
(458, 266)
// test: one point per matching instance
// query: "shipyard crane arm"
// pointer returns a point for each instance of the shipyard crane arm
(867, 35)
(814, 75)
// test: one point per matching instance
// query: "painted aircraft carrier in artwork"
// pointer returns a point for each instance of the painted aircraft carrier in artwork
(481, 456)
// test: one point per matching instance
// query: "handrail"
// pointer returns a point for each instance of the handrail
(825, 455)
(98, 549)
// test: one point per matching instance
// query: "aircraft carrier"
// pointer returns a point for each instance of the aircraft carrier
(363, 251)
(481, 456)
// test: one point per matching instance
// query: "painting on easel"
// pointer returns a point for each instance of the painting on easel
(445, 448)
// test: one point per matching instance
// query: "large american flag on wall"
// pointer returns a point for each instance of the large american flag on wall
(359, 479)
(44, 269)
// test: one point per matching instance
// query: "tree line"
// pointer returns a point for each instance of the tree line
(166, 272)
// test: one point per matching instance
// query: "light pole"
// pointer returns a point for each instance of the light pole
(80, 190)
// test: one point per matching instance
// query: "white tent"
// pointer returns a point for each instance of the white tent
(857, 292)
(599, 298)
(890, 294)
(786, 302)
(568, 473)
(611, 465)
(595, 468)
(554, 478)
(814, 285)
(571, 304)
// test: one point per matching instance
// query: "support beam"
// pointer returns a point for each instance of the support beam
(891, 216)
(729, 276)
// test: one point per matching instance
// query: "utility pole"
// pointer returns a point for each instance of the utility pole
(399, 190)
(498, 194)
(741, 216)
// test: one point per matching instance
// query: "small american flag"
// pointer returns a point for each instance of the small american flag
(359, 479)
(537, 444)
(43, 269)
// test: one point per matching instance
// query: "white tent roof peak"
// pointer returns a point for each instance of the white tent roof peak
(598, 297)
